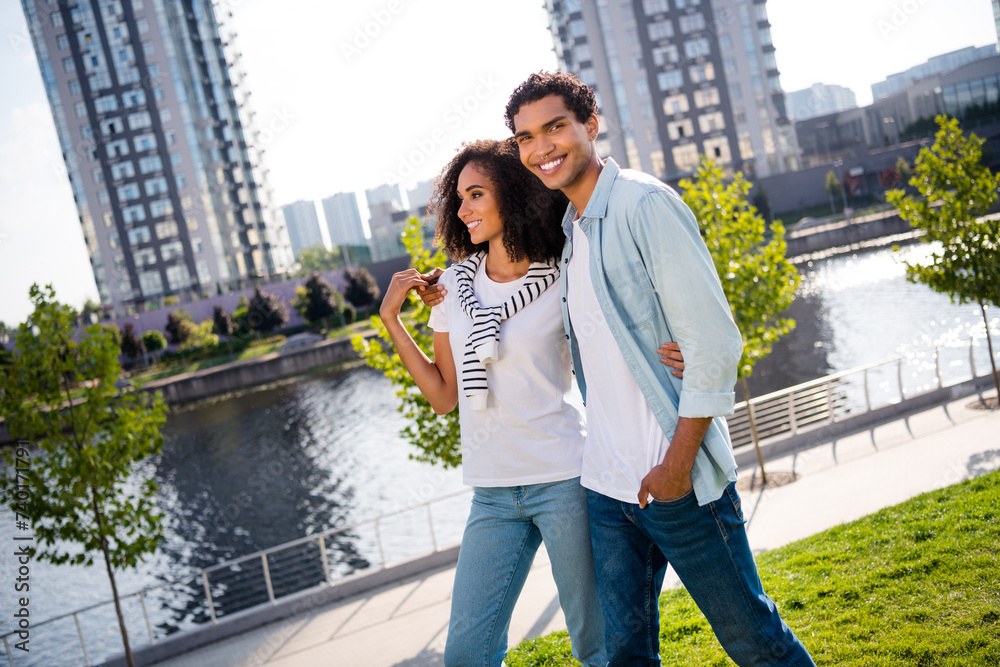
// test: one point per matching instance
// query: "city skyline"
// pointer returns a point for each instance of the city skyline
(302, 59)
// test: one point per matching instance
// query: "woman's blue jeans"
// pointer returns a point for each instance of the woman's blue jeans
(707, 547)
(505, 527)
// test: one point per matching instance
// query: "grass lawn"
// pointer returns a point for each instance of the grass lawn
(912, 585)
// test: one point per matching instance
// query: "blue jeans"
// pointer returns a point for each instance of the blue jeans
(707, 546)
(505, 527)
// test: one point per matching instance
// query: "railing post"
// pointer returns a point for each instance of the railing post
(267, 577)
(145, 615)
(868, 397)
(83, 646)
(793, 421)
(322, 556)
(430, 525)
(6, 649)
(899, 379)
(829, 399)
(208, 597)
(972, 356)
(937, 364)
(378, 541)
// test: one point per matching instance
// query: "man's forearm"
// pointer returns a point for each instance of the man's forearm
(672, 477)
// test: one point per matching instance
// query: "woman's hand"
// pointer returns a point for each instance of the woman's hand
(431, 293)
(395, 295)
(670, 355)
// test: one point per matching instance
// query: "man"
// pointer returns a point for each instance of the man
(658, 462)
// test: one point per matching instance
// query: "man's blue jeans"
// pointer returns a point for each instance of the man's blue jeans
(707, 547)
(505, 527)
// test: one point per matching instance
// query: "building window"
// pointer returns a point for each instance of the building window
(172, 250)
(113, 240)
(706, 97)
(134, 98)
(695, 48)
(178, 276)
(106, 103)
(128, 192)
(112, 126)
(166, 229)
(577, 28)
(122, 170)
(692, 22)
(764, 35)
(142, 25)
(774, 82)
(175, 159)
(139, 235)
(683, 4)
(156, 186)
(158, 93)
(147, 49)
(735, 91)
(180, 180)
(685, 157)
(665, 55)
(103, 198)
(62, 42)
(80, 109)
(680, 129)
(739, 115)
(56, 18)
(150, 163)
(581, 52)
(710, 122)
(660, 30)
(718, 149)
(725, 42)
(658, 163)
(165, 116)
(68, 65)
(74, 87)
(139, 120)
(160, 208)
(651, 7)
(675, 104)
(671, 79)
(134, 213)
(144, 142)
(150, 283)
(109, 219)
(118, 148)
(97, 175)
(144, 257)
(642, 86)
(746, 146)
(154, 69)
(702, 73)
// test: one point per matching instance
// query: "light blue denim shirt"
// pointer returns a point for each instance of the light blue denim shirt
(656, 282)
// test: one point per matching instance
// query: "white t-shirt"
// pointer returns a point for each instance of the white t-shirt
(528, 433)
(624, 440)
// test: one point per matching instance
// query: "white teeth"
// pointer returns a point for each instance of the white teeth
(552, 164)
(472, 225)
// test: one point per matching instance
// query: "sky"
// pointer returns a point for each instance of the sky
(350, 95)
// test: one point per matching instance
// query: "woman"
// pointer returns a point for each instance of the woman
(522, 442)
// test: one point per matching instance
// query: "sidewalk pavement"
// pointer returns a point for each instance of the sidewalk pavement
(405, 624)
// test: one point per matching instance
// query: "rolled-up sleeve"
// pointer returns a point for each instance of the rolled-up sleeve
(691, 296)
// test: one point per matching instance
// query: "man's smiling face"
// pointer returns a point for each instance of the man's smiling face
(554, 145)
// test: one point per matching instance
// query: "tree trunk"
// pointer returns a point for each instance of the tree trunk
(989, 344)
(753, 429)
(129, 659)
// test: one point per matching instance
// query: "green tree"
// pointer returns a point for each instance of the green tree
(180, 327)
(90, 307)
(436, 437)
(832, 189)
(113, 331)
(80, 486)
(265, 312)
(154, 341)
(201, 337)
(222, 323)
(953, 191)
(758, 281)
(317, 259)
(361, 290)
(317, 301)
(130, 345)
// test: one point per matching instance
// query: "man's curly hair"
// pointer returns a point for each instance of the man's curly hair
(531, 214)
(577, 97)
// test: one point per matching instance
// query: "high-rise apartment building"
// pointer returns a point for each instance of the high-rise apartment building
(343, 219)
(945, 62)
(385, 194)
(303, 225)
(158, 144)
(679, 78)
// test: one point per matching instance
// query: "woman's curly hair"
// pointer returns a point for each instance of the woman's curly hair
(531, 214)
(576, 95)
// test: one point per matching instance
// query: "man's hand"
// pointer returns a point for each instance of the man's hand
(663, 483)
(670, 355)
(431, 294)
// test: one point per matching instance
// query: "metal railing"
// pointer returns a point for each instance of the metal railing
(858, 390)
(270, 574)
(263, 577)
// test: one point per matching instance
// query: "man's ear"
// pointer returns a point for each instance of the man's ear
(593, 126)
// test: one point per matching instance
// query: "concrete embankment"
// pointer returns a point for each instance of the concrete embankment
(844, 234)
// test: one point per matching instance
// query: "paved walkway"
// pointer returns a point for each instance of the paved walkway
(404, 624)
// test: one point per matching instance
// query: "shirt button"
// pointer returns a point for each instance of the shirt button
(565, 261)
(564, 299)
(567, 337)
